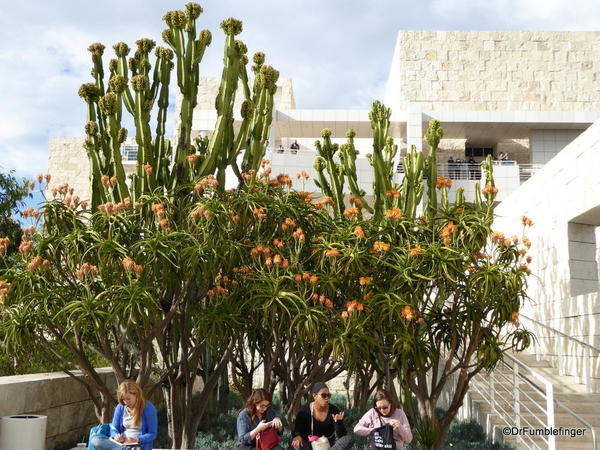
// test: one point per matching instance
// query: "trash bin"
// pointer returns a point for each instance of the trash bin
(23, 432)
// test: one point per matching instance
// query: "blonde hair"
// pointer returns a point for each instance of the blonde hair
(131, 387)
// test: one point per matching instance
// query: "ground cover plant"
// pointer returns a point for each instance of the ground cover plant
(168, 277)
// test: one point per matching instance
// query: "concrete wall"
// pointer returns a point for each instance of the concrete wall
(496, 70)
(56, 395)
(563, 200)
(546, 144)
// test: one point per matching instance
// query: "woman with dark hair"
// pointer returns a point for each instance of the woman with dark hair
(385, 412)
(320, 418)
(257, 416)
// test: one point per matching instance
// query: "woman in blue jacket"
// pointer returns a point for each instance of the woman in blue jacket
(134, 421)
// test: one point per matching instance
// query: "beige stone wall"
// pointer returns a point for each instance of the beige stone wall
(496, 70)
(68, 163)
(56, 395)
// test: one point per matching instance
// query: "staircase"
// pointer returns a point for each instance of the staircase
(527, 394)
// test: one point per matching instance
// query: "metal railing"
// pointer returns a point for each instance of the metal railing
(542, 330)
(520, 397)
(466, 171)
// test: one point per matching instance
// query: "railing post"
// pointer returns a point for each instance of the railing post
(516, 395)
(492, 392)
(550, 415)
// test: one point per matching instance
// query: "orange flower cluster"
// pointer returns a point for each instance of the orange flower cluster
(209, 181)
(201, 211)
(4, 242)
(86, 269)
(526, 221)
(299, 235)
(355, 201)
(256, 251)
(443, 182)
(243, 269)
(312, 279)
(526, 242)
(36, 263)
(74, 202)
(529, 259)
(358, 232)
(25, 246)
(498, 237)
(63, 189)
(364, 281)
(159, 210)
(31, 185)
(394, 214)
(379, 246)
(525, 268)
(248, 176)
(40, 178)
(408, 313)
(354, 305)
(218, 291)
(259, 213)
(416, 251)
(30, 212)
(514, 319)
(351, 213)
(4, 289)
(447, 232)
(323, 300)
(284, 179)
(302, 174)
(265, 162)
(332, 253)
(111, 208)
(278, 243)
(489, 189)
(305, 196)
(148, 169)
(279, 260)
(130, 266)
(191, 159)
(324, 201)
(392, 193)
(288, 223)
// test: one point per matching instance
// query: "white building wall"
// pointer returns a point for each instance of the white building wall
(563, 200)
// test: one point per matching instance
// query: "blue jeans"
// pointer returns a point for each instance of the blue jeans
(102, 443)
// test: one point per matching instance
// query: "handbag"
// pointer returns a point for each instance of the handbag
(382, 438)
(267, 439)
(317, 443)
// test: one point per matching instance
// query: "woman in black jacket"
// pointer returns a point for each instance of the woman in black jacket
(321, 418)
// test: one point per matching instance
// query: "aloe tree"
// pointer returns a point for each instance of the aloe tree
(432, 298)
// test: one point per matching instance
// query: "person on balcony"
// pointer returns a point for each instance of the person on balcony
(320, 418)
(385, 412)
(257, 417)
(295, 147)
(134, 421)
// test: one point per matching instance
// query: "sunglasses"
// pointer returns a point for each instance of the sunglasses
(324, 395)
(382, 408)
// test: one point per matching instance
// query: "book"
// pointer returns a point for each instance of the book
(123, 444)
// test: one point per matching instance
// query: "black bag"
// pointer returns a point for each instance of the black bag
(382, 438)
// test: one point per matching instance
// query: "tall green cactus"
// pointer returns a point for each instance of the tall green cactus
(334, 186)
(433, 136)
(135, 84)
(348, 155)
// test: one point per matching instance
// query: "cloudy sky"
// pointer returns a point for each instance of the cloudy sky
(337, 51)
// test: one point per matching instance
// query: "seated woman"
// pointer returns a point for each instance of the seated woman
(134, 421)
(321, 418)
(385, 412)
(257, 416)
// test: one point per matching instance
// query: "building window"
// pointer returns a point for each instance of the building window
(129, 152)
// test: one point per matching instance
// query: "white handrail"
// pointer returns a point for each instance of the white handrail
(521, 373)
(588, 349)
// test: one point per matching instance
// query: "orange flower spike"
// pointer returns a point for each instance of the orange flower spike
(364, 281)
(351, 213)
(380, 246)
(298, 278)
(138, 269)
(278, 243)
(328, 304)
(358, 232)
(344, 315)
(268, 262)
(415, 252)
(421, 320)
(313, 280)
(526, 221)
(286, 263)
(526, 242)
(306, 276)
(332, 253)
(128, 264)
(277, 259)
(408, 313)
(394, 214)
